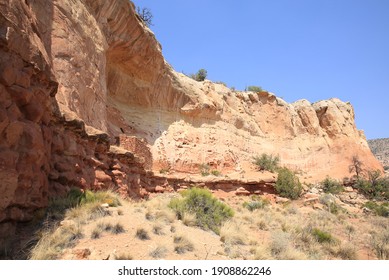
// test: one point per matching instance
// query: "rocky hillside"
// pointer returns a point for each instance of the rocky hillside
(380, 148)
(87, 100)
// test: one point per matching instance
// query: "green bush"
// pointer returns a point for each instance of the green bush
(331, 186)
(322, 236)
(210, 213)
(288, 184)
(378, 209)
(254, 88)
(100, 197)
(267, 162)
(164, 170)
(216, 173)
(200, 76)
(375, 187)
(57, 206)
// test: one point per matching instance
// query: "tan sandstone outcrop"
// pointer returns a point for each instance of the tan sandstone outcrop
(77, 76)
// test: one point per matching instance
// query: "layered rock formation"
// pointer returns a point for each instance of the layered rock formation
(380, 148)
(75, 75)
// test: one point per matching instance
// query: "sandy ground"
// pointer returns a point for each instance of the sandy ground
(241, 238)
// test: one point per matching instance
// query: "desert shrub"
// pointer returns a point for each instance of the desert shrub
(386, 168)
(288, 184)
(256, 204)
(303, 237)
(254, 88)
(379, 209)
(204, 169)
(57, 206)
(200, 76)
(100, 197)
(375, 187)
(216, 173)
(210, 213)
(142, 234)
(164, 170)
(322, 236)
(380, 245)
(331, 186)
(74, 196)
(267, 162)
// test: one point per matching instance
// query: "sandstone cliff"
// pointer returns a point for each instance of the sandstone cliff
(76, 75)
(121, 82)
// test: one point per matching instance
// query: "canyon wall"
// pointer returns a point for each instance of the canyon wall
(75, 75)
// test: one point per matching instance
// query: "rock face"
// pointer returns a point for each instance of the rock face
(380, 148)
(75, 75)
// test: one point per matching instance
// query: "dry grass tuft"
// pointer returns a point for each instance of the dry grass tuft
(380, 244)
(262, 253)
(142, 234)
(159, 252)
(51, 243)
(182, 245)
(96, 233)
(189, 219)
(117, 228)
(346, 252)
(233, 234)
(279, 243)
(158, 230)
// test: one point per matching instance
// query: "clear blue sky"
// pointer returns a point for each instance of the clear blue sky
(311, 49)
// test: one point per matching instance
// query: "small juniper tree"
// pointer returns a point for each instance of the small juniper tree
(288, 184)
(146, 16)
(200, 76)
